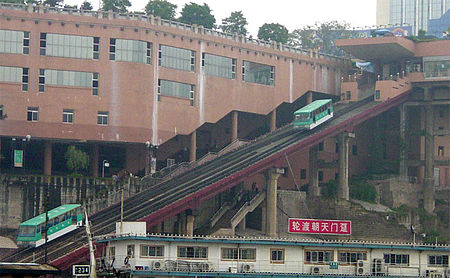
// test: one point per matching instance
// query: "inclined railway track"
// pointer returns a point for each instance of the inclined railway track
(163, 194)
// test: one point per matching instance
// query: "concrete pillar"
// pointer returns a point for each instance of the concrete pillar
(403, 168)
(48, 158)
(263, 217)
(428, 191)
(193, 149)
(313, 189)
(273, 120)
(94, 160)
(343, 191)
(272, 176)
(234, 125)
(190, 225)
(309, 98)
(242, 225)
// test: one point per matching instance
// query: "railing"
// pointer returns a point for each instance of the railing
(157, 20)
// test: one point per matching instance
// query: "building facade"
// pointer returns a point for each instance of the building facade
(415, 13)
(114, 83)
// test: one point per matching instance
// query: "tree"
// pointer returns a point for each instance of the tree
(73, 7)
(273, 32)
(53, 3)
(235, 23)
(195, 14)
(116, 5)
(161, 8)
(76, 160)
(321, 37)
(87, 6)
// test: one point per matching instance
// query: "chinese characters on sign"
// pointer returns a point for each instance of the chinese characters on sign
(315, 226)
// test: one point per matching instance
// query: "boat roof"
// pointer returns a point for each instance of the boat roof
(51, 214)
(313, 106)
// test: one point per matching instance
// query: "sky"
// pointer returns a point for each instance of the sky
(293, 14)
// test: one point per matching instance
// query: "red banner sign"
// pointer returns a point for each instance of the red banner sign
(315, 226)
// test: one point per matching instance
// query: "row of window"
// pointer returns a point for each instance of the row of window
(85, 47)
(67, 115)
(277, 255)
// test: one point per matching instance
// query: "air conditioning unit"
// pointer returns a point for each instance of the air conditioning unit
(158, 265)
(435, 274)
(362, 267)
(379, 268)
(248, 268)
(232, 269)
(319, 269)
(206, 267)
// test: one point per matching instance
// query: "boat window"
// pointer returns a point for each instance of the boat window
(27, 230)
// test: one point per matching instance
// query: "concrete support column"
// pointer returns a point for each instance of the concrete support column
(428, 191)
(48, 159)
(343, 191)
(403, 169)
(272, 176)
(242, 225)
(309, 98)
(190, 225)
(234, 125)
(94, 160)
(193, 149)
(313, 188)
(273, 120)
(263, 217)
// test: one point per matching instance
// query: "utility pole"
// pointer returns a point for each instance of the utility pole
(91, 247)
(46, 223)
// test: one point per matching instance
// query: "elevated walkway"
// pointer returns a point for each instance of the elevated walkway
(205, 181)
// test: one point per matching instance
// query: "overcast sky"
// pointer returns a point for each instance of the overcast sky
(291, 13)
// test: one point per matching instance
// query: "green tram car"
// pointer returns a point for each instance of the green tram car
(61, 220)
(313, 114)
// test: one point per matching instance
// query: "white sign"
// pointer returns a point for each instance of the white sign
(81, 270)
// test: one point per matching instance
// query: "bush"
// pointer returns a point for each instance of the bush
(330, 189)
(76, 160)
(362, 190)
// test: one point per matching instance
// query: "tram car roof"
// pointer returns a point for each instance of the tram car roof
(312, 106)
(51, 214)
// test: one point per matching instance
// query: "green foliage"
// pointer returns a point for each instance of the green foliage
(330, 189)
(53, 3)
(14, 1)
(87, 6)
(161, 8)
(421, 34)
(235, 23)
(273, 32)
(360, 189)
(76, 160)
(119, 6)
(321, 36)
(196, 14)
(73, 7)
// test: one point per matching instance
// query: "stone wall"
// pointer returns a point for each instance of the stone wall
(394, 192)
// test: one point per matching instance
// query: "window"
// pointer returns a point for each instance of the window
(351, 257)
(111, 252)
(438, 260)
(349, 95)
(32, 114)
(247, 254)
(69, 46)
(102, 118)
(67, 116)
(318, 256)
(303, 174)
(68, 78)
(25, 79)
(354, 150)
(10, 74)
(320, 174)
(436, 67)
(277, 256)
(176, 58)
(175, 89)
(130, 251)
(396, 259)
(258, 73)
(377, 94)
(441, 151)
(130, 51)
(14, 42)
(193, 252)
(219, 66)
(321, 146)
(152, 251)
(1, 112)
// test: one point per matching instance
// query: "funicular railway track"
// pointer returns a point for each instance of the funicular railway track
(181, 186)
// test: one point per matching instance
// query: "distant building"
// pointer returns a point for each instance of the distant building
(416, 13)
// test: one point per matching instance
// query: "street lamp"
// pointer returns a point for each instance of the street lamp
(105, 163)
(151, 156)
